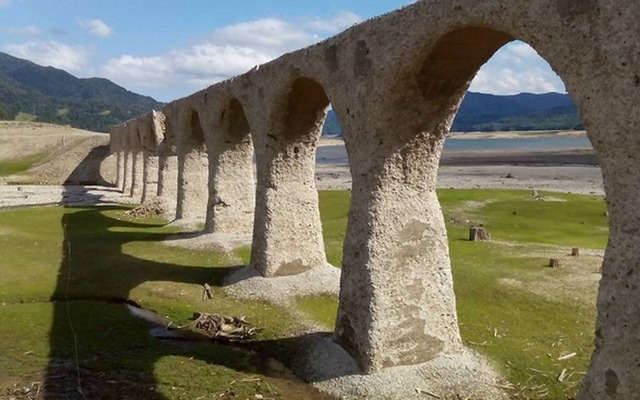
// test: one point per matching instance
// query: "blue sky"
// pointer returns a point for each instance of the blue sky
(169, 48)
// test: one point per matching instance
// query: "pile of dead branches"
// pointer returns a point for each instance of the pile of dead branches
(221, 327)
(147, 210)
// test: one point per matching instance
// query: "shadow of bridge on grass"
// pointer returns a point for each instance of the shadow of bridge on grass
(98, 349)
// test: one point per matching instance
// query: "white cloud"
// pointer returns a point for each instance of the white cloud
(514, 69)
(51, 53)
(340, 22)
(267, 35)
(96, 28)
(225, 60)
(229, 51)
(21, 31)
(139, 71)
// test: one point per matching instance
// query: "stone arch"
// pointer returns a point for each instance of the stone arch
(306, 108)
(427, 90)
(399, 90)
(395, 222)
(455, 59)
(194, 133)
(287, 236)
(231, 182)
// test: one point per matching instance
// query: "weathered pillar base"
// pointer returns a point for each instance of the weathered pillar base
(193, 174)
(137, 174)
(127, 178)
(168, 184)
(614, 372)
(231, 203)
(120, 155)
(397, 304)
(150, 178)
(332, 370)
(287, 235)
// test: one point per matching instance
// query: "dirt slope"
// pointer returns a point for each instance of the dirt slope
(64, 155)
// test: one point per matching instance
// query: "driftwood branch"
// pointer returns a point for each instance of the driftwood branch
(222, 327)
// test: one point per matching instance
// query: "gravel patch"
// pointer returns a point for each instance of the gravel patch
(461, 376)
(71, 196)
(578, 179)
(246, 283)
(213, 241)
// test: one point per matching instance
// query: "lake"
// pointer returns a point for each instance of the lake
(338, 154)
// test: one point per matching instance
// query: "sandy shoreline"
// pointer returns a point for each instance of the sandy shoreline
(532, 171)
(569, 171)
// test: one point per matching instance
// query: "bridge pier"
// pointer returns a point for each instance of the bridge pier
(127, 176)
(137, 173)
(397, 305)
(614, 372)
(168, 178)
(183, 130)
(192, 184)
(150, 176)
(287, 235)
(120, 156)
(232, 186)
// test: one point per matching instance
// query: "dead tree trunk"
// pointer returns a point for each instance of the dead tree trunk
(478, 233)
(554, 263)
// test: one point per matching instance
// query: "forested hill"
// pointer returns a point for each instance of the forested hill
(490, 113)
(32, 92)
(520, 112)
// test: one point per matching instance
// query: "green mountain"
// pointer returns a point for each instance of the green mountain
(32, 92)
(491, 113)
(520, 112)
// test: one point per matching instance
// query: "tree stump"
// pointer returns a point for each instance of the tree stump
(478, 234)
(575, 251)
(554, 263)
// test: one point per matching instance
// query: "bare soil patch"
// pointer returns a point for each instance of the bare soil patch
(68, 155)
(575, 280)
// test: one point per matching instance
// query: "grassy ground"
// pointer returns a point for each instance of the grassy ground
(16, 166)
(60, 265)
(511, 307)
(64, 271)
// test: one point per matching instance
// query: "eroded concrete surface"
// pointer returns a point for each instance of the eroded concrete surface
(395, 83)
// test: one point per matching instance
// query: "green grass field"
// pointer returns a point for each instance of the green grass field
(11, 167)
(60, 265)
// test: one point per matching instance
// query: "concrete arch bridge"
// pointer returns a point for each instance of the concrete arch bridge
(396, 82)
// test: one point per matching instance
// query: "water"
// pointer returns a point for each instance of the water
(519, 144)
(338, 154)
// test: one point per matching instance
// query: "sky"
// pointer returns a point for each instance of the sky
(168, 49)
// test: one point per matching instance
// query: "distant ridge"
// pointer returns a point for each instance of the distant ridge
(45, 94)
(29, 91)
(520, 112)
(490, 113)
